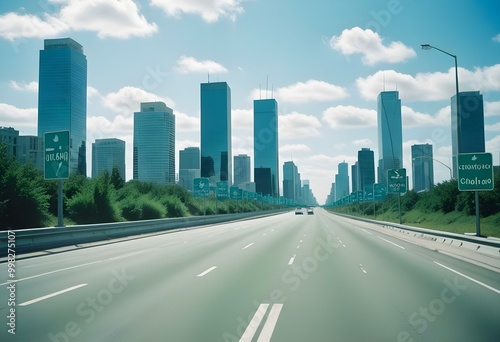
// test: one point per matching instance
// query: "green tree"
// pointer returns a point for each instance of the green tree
(116, 179)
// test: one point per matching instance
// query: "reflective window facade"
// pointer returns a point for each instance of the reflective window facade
(265, 132)
(107, 154)
(467, 127)
(422, 167)
(189, 166)
(216, 158)
(154, 143)
(62, 96)
(390, 133)
(366, 170)
(241, 169)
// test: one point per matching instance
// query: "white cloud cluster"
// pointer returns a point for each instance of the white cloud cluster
(127, 100)
(23, 86)
(309, 91)
(349, 116)
(291, 148)
(209, 10)
(429, 86)
(370, 45)
(115, 19)
(22, 119)
(496, 38)
(187, 65)
(295, 125)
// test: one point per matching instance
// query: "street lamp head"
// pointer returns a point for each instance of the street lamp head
(426, 46)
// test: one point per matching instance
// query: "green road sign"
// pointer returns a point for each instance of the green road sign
(475, 172)
(235, 193)
(379, 191)
(56, 146)
(396, 181)
(222, 190)
(201, 187)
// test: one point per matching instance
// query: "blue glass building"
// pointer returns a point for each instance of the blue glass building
(189, 167)
(366, 170)
(291, 181)
(108, 154)
(342, 181)
(216, 157)
(241, 169)
(467, 127)
(422, 167)
(390, 133)
(154, 143)
(62, 96)
(265, 132)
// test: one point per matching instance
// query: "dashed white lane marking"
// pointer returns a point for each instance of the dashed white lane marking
(470, 278)
(247, 245)
(392, 243)
(362, 269)
(207, 271)
(366, 231)
(39, 299)
(291, 259)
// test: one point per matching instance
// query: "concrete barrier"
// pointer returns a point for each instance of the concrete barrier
(39, 239)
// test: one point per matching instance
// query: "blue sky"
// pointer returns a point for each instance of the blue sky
(325, 61)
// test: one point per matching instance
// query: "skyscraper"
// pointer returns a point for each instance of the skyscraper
(291, 181)
(189, 166)
(467, 128)
(62, 96)
(366, 170)
(422, 167)
(154, 143)
(265, 132)
(216, 158)
(241, 169)
(390, 133)
(108, 154)
(342, 181)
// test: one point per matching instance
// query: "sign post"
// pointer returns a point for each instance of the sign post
(396, 184)
(56, 164)
(201, 188)
(475, 173)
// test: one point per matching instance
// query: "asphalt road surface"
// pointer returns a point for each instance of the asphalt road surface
(283, 278)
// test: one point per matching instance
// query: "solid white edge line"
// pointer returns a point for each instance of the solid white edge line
(254, 323)
(47, 273)
(467, 277)
(207, 271)
(395, 244)
(39, 299)
(272, 319)
(247, 245)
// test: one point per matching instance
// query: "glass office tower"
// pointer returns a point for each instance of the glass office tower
(390, 133)
(216, 158)
(366, 170)
(290, 181)
(154, 143)
(62, 96)
(189, 166)
(265, 148)
(467, 128)
(422, 167)
(108, 154)
(241, 169)
(342, 181)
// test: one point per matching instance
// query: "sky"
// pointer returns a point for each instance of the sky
(325, 62)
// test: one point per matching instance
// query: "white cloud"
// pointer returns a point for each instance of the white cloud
(492, 128)
(349, 116)
(492, 108)
(23, 119)
(412, 118)
(128, 100)
(370, 45)
(23, 86)
(190, 64)
(242, 118)
(493, 146)
(309, 91)
(186, 123)
(100, 127)
(115, 19)
(209, 10)
(295, 125)
(291, 148)
(363, 142)
(496, 38)
(429, 86)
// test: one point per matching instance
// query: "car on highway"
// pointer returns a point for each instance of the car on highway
(298, 211)
(310, 211)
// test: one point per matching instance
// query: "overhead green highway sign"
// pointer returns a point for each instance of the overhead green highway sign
(475, 172)
(56, 159)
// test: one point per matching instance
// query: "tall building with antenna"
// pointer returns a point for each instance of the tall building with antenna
(390, 133)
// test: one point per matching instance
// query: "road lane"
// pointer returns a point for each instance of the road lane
(343, 283)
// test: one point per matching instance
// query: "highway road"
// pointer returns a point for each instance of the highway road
(282, 278)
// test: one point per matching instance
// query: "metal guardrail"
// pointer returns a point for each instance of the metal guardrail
(461, 237)
(39, 239)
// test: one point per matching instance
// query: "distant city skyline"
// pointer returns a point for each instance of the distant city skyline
(324, 64)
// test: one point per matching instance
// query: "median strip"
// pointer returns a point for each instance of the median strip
(39, 299)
